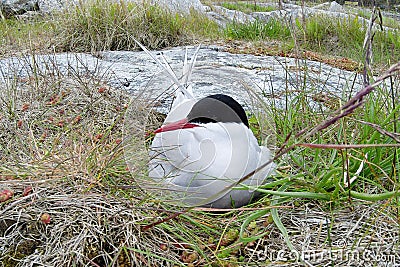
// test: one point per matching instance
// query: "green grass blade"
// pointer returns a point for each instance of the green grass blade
(374, 197)
(310, 195)
(244, 225)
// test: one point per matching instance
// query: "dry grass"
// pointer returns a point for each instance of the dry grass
(97, 229)
(362, 234)
(50, 124)
(98, 26)
(62, 154)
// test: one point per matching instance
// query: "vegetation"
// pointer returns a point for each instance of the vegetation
(99, 26)
(257, 30)
(335, 37)
(247, 7)
(18, 34)
(64, 149)
(346, 37)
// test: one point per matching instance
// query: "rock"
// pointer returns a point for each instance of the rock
(47, 6)
(218, 18)
(324, 6)
(18, 7)
(11, 8)
(216, 72)
(233, 15)
(180, 6)
(335, 7)
(276, 14)
(289, 13)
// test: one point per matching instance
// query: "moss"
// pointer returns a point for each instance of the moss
(230, 237)
(22, 248)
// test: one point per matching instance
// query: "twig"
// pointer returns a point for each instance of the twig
(338, 147)
(172, 216)
(241, 209)
(367, 47)
(395, 136)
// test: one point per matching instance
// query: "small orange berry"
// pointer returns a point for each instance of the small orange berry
(77, 119)
(163, 247)
(5, 195)
(27, 191)
(45, 218)
(43, 137)
(25, 107)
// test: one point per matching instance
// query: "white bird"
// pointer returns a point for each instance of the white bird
(205, 147)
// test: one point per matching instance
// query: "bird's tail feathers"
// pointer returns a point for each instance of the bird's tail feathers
(165, 66)
(183, 89)
(188, 69)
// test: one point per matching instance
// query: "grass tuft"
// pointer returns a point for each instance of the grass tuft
(258, 30)
(99, 25)
(16, 34)
(345, 37)
(247, 7)
(331, 37)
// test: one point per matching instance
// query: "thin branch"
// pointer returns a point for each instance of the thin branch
(338, 147)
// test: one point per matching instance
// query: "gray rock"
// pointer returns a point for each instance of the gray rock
(218, 18)
(324, 6)
(335, 7)
(277, 14)
(233, 15)
(242, 76)
(289, 13)
(47, 6)
(180, 6)
(11, 8)
(18, 7)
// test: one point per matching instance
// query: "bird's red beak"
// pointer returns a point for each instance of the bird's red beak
(177, 125)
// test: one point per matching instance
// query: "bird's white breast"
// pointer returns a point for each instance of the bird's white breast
(209, 157)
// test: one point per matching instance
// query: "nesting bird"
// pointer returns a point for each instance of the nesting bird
(204, 147)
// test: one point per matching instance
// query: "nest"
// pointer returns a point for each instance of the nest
(361, 235)
(86, 229)
(96, 229)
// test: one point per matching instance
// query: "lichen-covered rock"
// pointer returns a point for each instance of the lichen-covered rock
(216, 71)
(48, 6)
(234, 15)
(335, 7)
(180, 6)
(11, 8)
